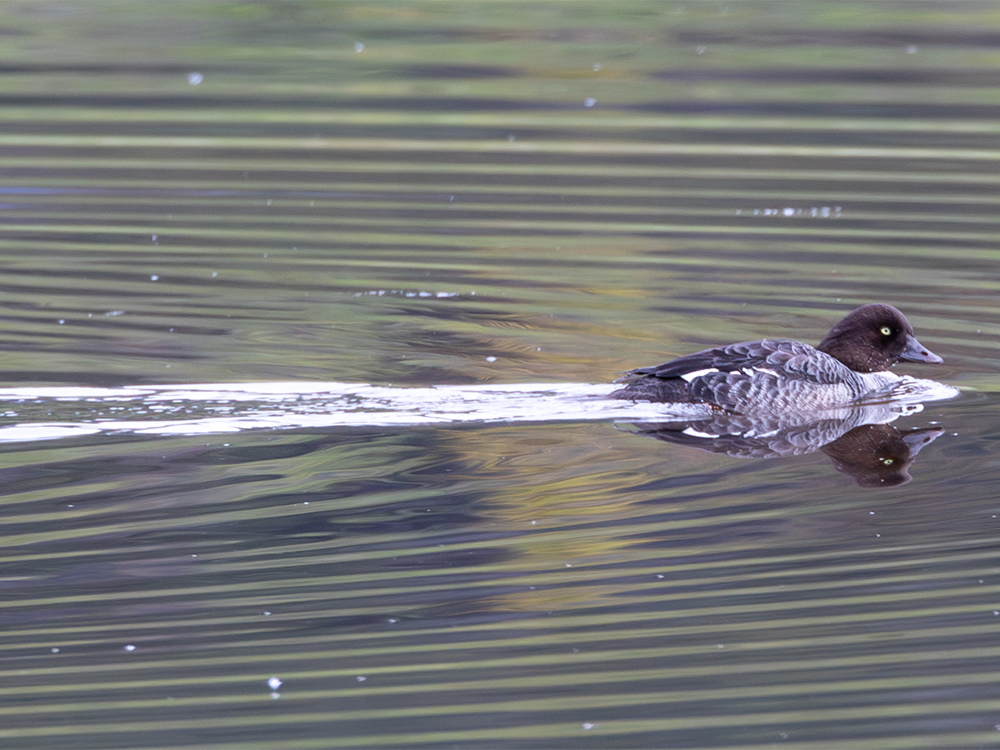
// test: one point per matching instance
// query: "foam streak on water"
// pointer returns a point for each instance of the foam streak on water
(232, 407)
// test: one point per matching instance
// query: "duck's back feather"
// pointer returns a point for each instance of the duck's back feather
(787, 358)
(772, 374)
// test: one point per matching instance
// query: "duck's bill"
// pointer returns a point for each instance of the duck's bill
(917, 352)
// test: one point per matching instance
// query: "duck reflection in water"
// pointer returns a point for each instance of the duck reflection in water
(873, 453)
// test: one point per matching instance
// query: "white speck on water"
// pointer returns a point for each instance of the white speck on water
(55, 650)
(61, 321)
(195, 78)
(360, 678)
(569, 565)
(813, 212)
(871, 513)
(359, 47)
(113, 313)
(215, 274)
(154, 277)
(392, 620)
(154, 237)
(491, 359)
(274, 683)
(130, 648)
(589, 101)
(587, 725)
(659, 575)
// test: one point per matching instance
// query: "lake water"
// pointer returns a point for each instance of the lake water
(308, 313)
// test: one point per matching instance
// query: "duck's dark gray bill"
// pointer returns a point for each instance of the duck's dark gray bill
(915, 352)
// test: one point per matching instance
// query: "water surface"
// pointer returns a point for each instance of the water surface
(521, 198)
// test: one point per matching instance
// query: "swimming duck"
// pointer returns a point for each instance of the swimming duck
(851, 362)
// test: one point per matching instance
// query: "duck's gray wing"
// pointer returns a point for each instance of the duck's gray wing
(781, 358)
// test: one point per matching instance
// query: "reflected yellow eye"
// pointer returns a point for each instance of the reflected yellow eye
(886, 331)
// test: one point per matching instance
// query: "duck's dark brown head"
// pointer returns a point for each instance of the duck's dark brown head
(873, 338)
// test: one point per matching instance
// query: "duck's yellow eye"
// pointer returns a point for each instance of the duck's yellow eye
(886, 331)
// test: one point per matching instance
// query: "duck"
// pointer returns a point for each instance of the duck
(852, 362)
